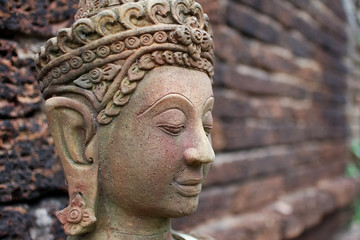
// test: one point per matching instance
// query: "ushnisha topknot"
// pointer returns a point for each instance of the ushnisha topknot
(113, 43)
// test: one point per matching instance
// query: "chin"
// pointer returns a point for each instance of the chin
(184, 208)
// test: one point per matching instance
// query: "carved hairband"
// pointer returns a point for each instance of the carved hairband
(105, 56)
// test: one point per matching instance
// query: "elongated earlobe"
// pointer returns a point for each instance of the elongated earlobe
(73, 127)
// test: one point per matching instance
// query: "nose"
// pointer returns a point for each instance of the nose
(201, 152)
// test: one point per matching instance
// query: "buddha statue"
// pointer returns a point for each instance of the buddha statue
(128, 99)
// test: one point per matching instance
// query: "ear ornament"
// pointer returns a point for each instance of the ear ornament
(76, 218)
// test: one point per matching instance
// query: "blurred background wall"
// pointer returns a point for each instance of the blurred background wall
(287, 93)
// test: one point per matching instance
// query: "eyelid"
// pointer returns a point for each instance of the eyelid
(208, 118)
(171, 129)
(208, 123)
(208, 129)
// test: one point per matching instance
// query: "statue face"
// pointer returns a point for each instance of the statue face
(155, 155)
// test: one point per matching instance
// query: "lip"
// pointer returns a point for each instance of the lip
(188, 187)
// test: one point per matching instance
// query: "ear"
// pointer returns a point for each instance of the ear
(73, 127)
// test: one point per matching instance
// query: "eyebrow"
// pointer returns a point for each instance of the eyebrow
(162, 99)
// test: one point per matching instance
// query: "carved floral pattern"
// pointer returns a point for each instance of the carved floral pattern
(106, 53)
(137, 72)
(128, 16)
(76, 218)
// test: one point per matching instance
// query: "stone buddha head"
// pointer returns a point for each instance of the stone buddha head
(129, 100)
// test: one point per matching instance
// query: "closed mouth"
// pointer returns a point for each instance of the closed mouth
(188, 188)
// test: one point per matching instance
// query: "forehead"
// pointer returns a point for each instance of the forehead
(162, 81)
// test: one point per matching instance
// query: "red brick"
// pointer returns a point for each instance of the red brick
(329, 62)
(226, 40)
(215, 9)
(334, 80)
(304, 209)
(243, 136)
(23, 221)
(286, 218)
(239, 166)
(312, 32)
(229, 104)
(273, 59)
(329, 99)
(19, 92)
(11, 227)
(277, 133)
(343, 190)
(232, 105)
(28, 162)
(316, 115)
(259, 226)
(252, 83)
(214, 203)
(305, 176)
(330, 226)
(218, 202)
(309, 70)
(217, 136)
(256, 194)
(278, 10)
(35, 17)
(296, 44)
(337, 7)
(249, 23)
(319, 12)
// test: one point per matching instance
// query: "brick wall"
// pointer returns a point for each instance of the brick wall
(281, 121)
(282, 108)
(31, 181)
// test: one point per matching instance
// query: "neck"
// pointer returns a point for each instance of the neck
(116, 224)
(115, 234)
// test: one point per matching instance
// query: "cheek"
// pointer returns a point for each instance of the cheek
(167, 154)
(166, 149)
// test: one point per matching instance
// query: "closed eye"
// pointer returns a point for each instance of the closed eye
(207, 130)
(173, 130)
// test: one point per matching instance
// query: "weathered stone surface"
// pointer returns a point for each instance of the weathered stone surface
(27, 160)
(247, 21)
(286, 218)
(337, 8)
(15, 222)
(301, 178)
(27, 156)
(311, 31)
(251, 82)
(19, 92)
(35, 17)
(277, 9)
(238, 198)
(281, 85)
(302, 210)
(297, 44)
(215, 9)
(329, 62)
(260, 226)
(321, 12)
(343, 190)
(235, 167)
(35, 221)
(227, 39)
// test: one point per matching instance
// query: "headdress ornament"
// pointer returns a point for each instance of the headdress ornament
(112, 44)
